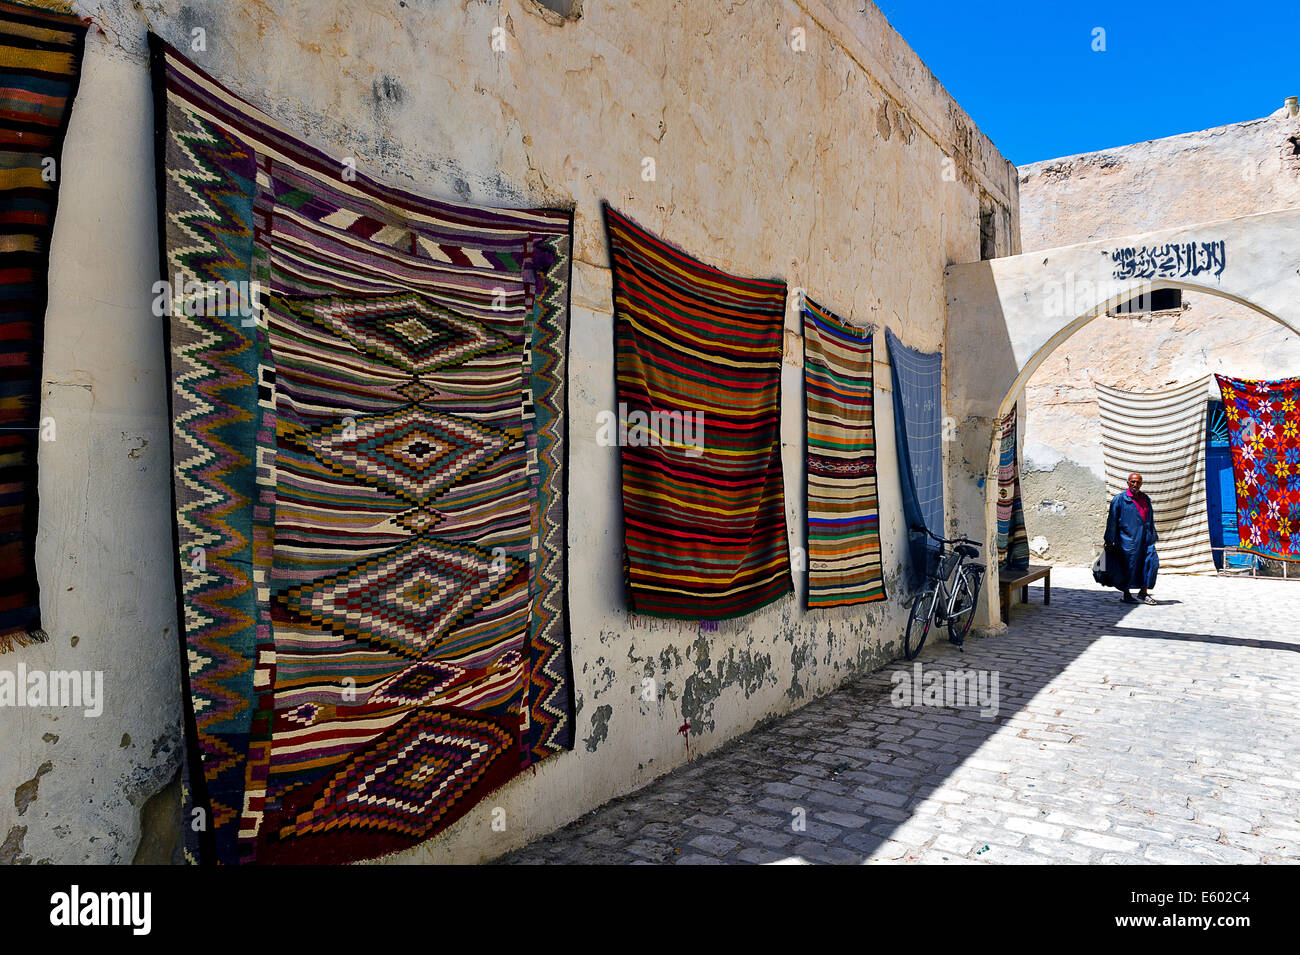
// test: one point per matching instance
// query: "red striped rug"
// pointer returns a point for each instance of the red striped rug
(699, 370)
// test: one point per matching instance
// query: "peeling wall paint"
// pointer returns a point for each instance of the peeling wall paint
(765, 166)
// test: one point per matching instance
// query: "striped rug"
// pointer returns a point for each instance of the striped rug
(1161, 435)
(368, 397)
(1013, 539)
(843, 509)
(699, 376)
(40, 66)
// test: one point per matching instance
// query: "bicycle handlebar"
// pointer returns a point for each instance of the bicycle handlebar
(952, 540)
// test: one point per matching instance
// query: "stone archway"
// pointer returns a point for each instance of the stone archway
(1005, 316)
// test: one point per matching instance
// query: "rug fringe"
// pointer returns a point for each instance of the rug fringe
(12, 641)
(52, 6)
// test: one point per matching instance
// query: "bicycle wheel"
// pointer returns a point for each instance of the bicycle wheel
(968, 592)
(918, 624)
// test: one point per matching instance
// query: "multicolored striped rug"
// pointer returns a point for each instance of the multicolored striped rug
(1264, 431)
(1161, 435)
(369, 411)
(40, 67)
(917, 381)
(843, 509)
(1013, 538)
(699, 393)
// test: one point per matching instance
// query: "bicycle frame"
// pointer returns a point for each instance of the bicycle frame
(963, 575)
(957, 573)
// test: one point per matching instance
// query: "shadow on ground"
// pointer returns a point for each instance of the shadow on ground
(836, 781)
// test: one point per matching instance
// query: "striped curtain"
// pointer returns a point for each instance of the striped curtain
(1161, 435)
(1013, 539)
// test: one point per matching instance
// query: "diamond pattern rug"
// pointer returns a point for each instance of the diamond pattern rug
(369, 474)
(1264, 433)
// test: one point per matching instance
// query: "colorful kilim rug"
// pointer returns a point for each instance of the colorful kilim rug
(699, 375)
(1161, 435)
(40, 66)
(918, 435)
(1264, 430)
(369, 411)
(1013, 539)
(843, 509)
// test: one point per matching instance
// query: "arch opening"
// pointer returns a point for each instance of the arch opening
(1105, 307)
(1065, 477)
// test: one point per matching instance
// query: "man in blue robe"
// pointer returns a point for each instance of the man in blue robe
(1131, 542)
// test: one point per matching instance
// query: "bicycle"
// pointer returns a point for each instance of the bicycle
(949, 595)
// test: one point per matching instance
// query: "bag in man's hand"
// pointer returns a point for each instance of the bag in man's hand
(1103, 568)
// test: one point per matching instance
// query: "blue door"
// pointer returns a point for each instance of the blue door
(1221, 490)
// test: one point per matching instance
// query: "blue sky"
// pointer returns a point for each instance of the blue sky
(1028, 76)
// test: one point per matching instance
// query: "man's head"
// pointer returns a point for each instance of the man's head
(1135, 482)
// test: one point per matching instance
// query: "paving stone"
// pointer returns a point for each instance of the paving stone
(1033, 827)
(843, 819)
(785, 789)
(713, 844)
(1100, 840)
(1168, 855)
(771, 838)
(826, 854)
(842, 803)
(712, 823)
(1219, 852)
(959, 845)
(1072, 821)
(878, 851)
(761, 856)
(1060, 851)
(882, 796)
(648, 849)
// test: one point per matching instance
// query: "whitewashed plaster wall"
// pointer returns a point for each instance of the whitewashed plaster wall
(1242, 169)
(845, 169)
(1237, 170)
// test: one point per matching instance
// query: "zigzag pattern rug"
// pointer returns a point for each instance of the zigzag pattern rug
(843, 507)
(1264, 432)
(699, 376)
(1013, 538)
(40, 67)
(1161, 435)
(369, 454)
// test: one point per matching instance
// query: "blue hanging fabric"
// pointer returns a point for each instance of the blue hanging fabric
(918, 429)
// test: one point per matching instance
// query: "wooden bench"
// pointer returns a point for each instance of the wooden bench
(1010, 580)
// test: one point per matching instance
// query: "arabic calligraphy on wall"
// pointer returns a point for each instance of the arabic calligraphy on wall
(1171, 261)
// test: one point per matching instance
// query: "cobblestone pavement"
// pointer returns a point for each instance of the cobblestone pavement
(1166, 734)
